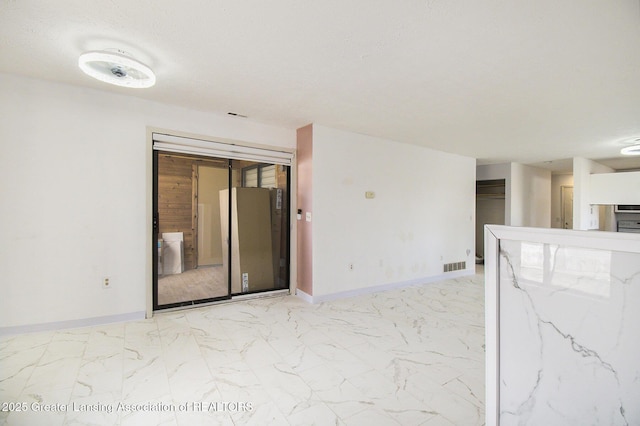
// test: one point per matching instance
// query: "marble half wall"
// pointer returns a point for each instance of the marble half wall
(566, 348)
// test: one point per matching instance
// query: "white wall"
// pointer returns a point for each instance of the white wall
(530, 196)
(75, 191)
(527, 193)
(422, 215)
(557, 182)
(585, 215)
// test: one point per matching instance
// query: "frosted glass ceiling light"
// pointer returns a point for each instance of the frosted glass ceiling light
(116, 67)
(632, 146)
(631, 150)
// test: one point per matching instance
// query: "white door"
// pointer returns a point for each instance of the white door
(566, 197)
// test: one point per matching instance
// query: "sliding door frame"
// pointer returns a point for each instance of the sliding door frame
(233, 147)
(157, 226)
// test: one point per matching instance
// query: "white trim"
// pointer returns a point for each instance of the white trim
(79, 323)
(602, 240)
(150, 247)
(304, 296)
(227, 149)
(247, 297)
(492, 327)
(261, 295)
(384, 287)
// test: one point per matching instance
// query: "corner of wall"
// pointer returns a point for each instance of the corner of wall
(304, 203)
(585, 215)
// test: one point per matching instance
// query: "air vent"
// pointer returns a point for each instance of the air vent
(455, 266)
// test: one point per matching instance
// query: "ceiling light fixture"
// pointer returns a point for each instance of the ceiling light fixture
(631, 150)
(114, 66)
(631, 146)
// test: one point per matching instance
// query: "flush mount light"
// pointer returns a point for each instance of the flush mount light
(631, 150)
(632, 146)
(116, 67)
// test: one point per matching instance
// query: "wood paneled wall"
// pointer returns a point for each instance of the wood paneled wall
(175, 202)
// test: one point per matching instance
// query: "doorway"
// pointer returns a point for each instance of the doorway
(221, 227)
(490, 209)
(566, 203)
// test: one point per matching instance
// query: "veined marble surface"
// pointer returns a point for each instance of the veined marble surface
(569, 335)
(413, 356)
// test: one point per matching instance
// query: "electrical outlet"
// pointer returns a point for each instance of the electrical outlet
(351, 266)
(106, 283)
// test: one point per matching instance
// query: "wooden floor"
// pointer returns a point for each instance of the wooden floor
(203, 283)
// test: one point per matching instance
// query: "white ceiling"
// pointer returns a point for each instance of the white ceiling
(497, 80)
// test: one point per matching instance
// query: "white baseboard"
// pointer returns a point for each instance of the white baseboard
(79, 323)
(384, 287)
(304, 296)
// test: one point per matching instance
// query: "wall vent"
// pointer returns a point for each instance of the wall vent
(455, 266)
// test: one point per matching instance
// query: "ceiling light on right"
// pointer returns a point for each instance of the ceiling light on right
(631, 150)
(633, 147)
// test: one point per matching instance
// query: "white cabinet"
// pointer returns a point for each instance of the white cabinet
(615, 188)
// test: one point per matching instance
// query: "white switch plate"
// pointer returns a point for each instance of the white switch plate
(308, 216)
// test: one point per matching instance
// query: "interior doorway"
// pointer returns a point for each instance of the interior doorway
(566, 203)
(221, 226)
(490, 209)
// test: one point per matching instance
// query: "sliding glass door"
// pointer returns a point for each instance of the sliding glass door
(221, 227)
(187, 227)
(259, 227)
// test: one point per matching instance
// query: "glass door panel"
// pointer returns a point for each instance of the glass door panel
(259, 227)
(188, 228)
(221, 228)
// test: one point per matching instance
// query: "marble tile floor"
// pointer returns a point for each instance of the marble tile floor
(412, 356)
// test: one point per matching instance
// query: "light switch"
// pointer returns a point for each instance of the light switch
(369, 194)
(308, 216)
